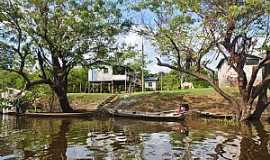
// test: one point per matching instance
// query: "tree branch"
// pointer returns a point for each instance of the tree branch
(202, 77)
(258, 88)
(37, 82)
(255, 71)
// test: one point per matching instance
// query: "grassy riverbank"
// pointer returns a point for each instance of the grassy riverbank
(204, 99)
(87, 101)
(78, 101)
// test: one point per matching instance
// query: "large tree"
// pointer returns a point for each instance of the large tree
(193, 33)
(53, 36)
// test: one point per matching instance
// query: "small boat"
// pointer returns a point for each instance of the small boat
(154, 116)
(56, 115)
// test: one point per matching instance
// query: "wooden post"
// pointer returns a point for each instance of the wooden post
(142, 66)
(93, 88)
(126, 80)
(161, 87)
(73, 89)
(134, 82)
(129, 87)
(112, 87)
(101, 89)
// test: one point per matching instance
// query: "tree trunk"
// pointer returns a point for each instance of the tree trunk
(64, 103)
(61, 93)
(262, 102)
(245, 112)
(260, 106)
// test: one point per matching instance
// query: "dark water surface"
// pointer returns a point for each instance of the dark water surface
(113, 139)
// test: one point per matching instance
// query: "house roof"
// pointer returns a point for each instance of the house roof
(221, 62)
(151, 79)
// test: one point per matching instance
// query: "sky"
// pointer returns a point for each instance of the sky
(146, 17)
(142, 18)
(150, 51)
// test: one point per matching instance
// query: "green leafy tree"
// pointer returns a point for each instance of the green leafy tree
(56, 36)
(78, 79)
(187, 31)
(10, 80)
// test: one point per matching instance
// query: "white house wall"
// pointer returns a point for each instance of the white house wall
(153, 87)
(100, 76)
(248, 71)
(225, 71)
(119, 77)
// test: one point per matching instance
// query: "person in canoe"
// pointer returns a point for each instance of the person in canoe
(183, 108)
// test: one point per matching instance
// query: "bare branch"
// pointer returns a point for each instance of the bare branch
(225, 56)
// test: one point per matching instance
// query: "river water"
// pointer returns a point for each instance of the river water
(122, 139)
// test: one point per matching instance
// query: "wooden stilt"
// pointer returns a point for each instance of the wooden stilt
(126, 80)
(101, 89)
(112, 87)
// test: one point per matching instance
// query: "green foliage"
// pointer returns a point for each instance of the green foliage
(10, 80)
(77, 80)
(5, 103)
(171, 81)
(58, 35)
(188, 31)
(197, 83)
(52, 37)
(88, 98)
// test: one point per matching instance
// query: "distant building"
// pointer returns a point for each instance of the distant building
(151, 83)
(228, 77)
(113, 79)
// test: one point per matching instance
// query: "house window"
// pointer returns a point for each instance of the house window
(252, 61)
(150, 84)
(118, 70)
(105, 70)
(240, 2)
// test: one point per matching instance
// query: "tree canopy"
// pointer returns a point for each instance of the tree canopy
(54, 36)
(194, 33)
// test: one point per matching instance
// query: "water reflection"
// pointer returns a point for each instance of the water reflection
(255, 147)
(58, 147)
(129, 139)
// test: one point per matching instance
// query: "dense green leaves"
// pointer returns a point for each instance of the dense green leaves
(65, 29)
(51, 37)
(11, 80)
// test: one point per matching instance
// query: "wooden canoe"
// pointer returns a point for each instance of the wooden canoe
(159, 116)
(56, 115)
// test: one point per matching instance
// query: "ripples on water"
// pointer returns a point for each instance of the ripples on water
(114, 139)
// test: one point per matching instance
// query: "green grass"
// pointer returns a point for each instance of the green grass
(195, 91)
(88, 97)
(98, 97)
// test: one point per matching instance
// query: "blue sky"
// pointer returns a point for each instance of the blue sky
(133, 39)
(142, 18)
